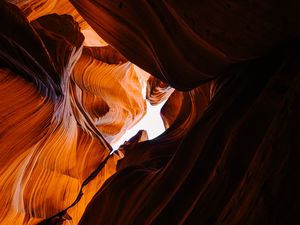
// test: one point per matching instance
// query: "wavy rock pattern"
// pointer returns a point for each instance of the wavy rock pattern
(157, 91)
(186, 43)
(34, 9)
(49, 145)
(221, 167)
(234, 163)
(117, 86)
(230, 72)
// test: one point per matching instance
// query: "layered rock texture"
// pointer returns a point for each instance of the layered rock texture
(73, 76)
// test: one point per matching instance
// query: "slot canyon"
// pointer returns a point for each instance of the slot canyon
(76, 75)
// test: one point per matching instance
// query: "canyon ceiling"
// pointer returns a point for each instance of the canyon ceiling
(73, 73)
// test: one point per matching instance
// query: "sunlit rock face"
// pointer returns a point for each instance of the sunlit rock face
(33, 9)
(109, 83)
(157, 91)
(50, 145)
(229, 72)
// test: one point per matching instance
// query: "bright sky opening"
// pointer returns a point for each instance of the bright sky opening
(151, 122)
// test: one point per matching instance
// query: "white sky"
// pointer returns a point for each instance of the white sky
(151, 122)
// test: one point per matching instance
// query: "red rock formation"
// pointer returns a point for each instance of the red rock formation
(49, 145)
(157, 91)
(185, 43)
(34, 9)
(237, 163)
(230, 152)
(116, 85)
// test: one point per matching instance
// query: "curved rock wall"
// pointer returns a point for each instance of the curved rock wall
(230, 72)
